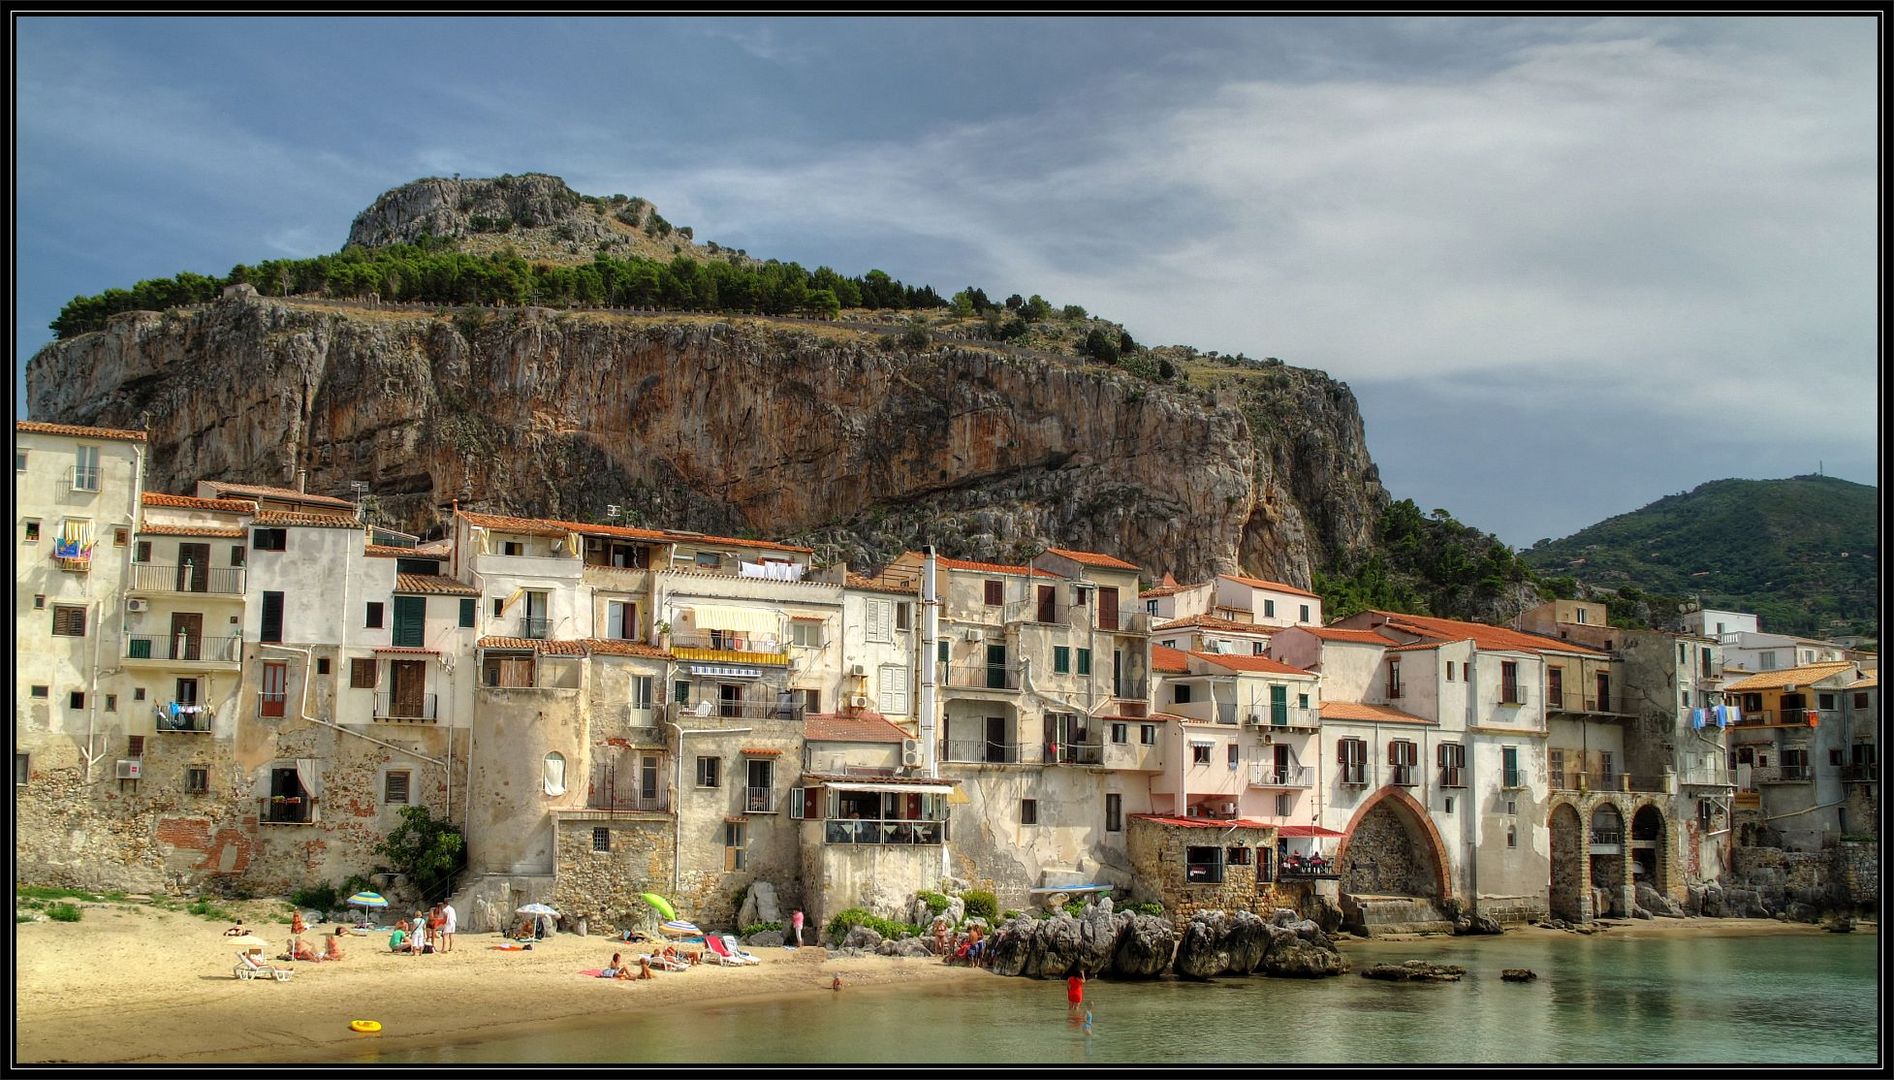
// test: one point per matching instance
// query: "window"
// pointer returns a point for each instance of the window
(1834, 755)
(1200, 753)
(21, 769)
(880, 618)
(892, 685)
(1234, 753)
(394, 786)
(322, 665)
(75, 699)
(1147, 734)
(39, 691)
(805, 635)
(903, 615)
(942, 643)
(1394, 677)
(681, 692)
(374, 615)
(1114, 813)
(1352, 756)
(1449, 804)
(1768, 660)
(1305, 613)
(1085, 661)
(467, 611)
(1236, 856)
(499, 607)
(39, 601)
(995, 593)
(1150, 607)
(1029, 811)
(1554, 687)
(1302, 701)
(1825, 702)
(1449, 671)
(1861, 701)
(811, 700)
(709, 560)
(554, 770)
(1203, 866)
(1452, 759)
(1512, 836)
(641, 691)
(1578, 616)
(111, 703)
(1509, 688)
(735, 855)
(1171, 644)
(1257, 648)
(1269, 609)
(601, 838)
(707, 772)
(1061, 660)
(272, 623)
(1509, 767)
(362, 673)
(1401, 758)
(32, 530)
(1120, 733)
(196, 780)
(1181, 694)
(269, 539)
(85, 468)
(141, 551)
(19, 461)
(512, 547)
(122, 536)
(1285, 804)
(135, 746)
(68, 621)
(621, 620)
(138, 693)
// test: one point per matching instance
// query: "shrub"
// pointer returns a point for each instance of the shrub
(761, 928)
(1075, 908)
(1009, 915)
(204, 907)
(43, 892)
(1149, 908)
(317, 897)
(849, 918)
(981, 904)
(936, 902)
(429, 851)
(63, 912)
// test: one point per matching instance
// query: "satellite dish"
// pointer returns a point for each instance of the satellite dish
(703, 708)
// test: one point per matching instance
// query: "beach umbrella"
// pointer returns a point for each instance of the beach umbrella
(680, 928)
(659, 904)
(535, 909)
(367, 900)
(248, 941)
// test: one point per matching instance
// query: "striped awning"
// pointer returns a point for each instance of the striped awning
(741, 620)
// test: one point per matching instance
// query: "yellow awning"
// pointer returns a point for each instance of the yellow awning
(740, 620)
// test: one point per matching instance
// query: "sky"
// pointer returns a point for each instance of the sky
(1567, 266)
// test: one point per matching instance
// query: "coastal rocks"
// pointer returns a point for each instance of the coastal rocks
(1010, 946)
(1098, 937)
(1657, 903)
(1145, 946)
(1299, 955)
(1477, 924)
(1799, 912)
(1056, 948)
(904, 947)
(1518, 975)
(760, 905)
(1222, 943)
(1414, 971)
(767, 939)
(1840, 924)
(861, 937)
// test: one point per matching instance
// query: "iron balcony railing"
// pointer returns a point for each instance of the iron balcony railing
(84, 477)
(1075, 753)
(640, 804)
(1203, 873)
(1403, 775)
(1031, 610)
(1607, 836)
(1453, 776)
(756, 800)
(286, 809)
(183, 716)
(983, 676)
(218, 650)
(410, 707)
(1512, 695)
(986, 752)
(1125, 622)
(1860, 774)
(1601, 705)
(1295, 776)
(883, 831)
(187, 578)
(536, 629)
(1781, 774)
(745, 710)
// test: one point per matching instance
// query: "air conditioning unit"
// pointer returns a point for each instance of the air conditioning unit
(1229, 808)
(971, 635)
(858, 701)
(910, 752)
(137, 604)
(857, 671)
(129, 768)
(1253, 720)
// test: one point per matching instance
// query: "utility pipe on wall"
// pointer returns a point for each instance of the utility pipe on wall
(677, 798)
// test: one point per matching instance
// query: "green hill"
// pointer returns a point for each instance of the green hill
(1802, 553)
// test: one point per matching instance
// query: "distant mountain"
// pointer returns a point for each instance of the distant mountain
(1802, 553)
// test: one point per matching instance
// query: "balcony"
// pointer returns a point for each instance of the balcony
(1781, 774)
(982, 676)
(1354, 776)
(1860, 774)
(83, 477)
(1604, 705)
(758, 800)
(1075, 753)
(1784, 718)
(286, 810)
(535, 629)
(983, 752)
(184, 648)
(1403, 775)
(1510, 695)
(1126, 622)
(601, 803)
(1453, 777)
(887, 831)
(183, 716)
(718, 647)
(1599, 780)
(746, 710)
(1512, 778)
(407, 707)
(1268, 776)
(1033, 611)
(1606, 838)
(1702, 776)
(187, 578)
(1289, 718)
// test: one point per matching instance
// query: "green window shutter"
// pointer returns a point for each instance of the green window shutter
(1085, 661)
(410, 621)
(467, 611)
(1061, 659)
(681, 692)
(943, 650)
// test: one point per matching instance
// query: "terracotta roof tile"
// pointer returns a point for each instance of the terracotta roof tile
(1250, 663)
(985, 567)
(1795, 676)
(265, 491)
(1201, 823)
(1418, 646)
(1381, 714)
(401, 650)
(191, 502)
(1339, 633)
(388, 551)
(1277, 586)
(221, 531)
(315, 521)
(854, 778)
(1212, 622)
(39, 428)
(1169, 590)
(1093, 558)
(882, 583)
(620, 647)
(863, 726)
(433, 585)
(1169, 660)
(761, 751)
(538, 645)
(1483, 635)
(559, 527)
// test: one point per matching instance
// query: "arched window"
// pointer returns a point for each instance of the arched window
(555, 773)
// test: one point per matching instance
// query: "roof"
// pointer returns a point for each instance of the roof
(538, 645)
(1290, 831)
(36, 427)
(881, 781)
(760, 751)
(402, 650)
(1418, 646)
(1483, 635)
(317, 521)
(624, 647)
(1166, 659)
(1212, 622)
(1274, 586)
(190, 502)
(1342, 633)
(1866, 682)
(882, 583)
(221, 531)
(433, 585)
(1169, 590)
(1093, 558)
(863, 726)
(1202, 823)
(1250, 663)
(389, 551)
(1795, 676)
(983, 567)
(558, 527)
(1380, 714)
(264, 491)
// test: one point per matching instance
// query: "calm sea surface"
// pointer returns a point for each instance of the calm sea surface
(1792, 999)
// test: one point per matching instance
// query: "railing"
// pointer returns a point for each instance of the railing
(1394, 691)
(983, 676)
(1354, 775)
(1512, 695)
(197, 719)
(1403, 775)
(883, 831)
(1599, 780)
(1295, 776)
(1792, 717)
(749, 710)
(536, 629)
(1226, 712)
(1075, 753)
(1714, 776)
(389, 707)
(1780, 774)
(1512, 779)
(1203, 873)
(1030, 610)
(1860, 774)
(186, 578)
(1324, 869)
(218, 650)
(1292, 717)
(84, 477)
(1555, 701)
(641, 804)
(1126, 622)
(982, 751)
(756, 800)
(286, 810)
(272, 704)
(1453, 776)
(1607, 836)
(1601, 705)
(1132, 708)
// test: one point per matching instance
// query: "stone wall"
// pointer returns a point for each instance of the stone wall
(1159, 856)
(603, 887)
(1384, 858)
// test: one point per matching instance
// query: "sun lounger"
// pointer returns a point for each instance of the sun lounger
(720, 951)
(736, 950)
(249, 967)
(661, 963)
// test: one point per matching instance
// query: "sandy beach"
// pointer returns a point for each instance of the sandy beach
(130, 983)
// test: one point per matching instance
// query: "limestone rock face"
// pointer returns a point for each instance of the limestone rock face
(1298, 954)
(444, 208)
(728, 424)
(1145, 946)
(767, 939)
(760, 906)
(861, 937)
(1222, 943)
(1657, 903)
(1099, 930)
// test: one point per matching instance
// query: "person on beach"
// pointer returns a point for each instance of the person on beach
(615, 969)
(418, 936)
(449, 919)
(836, 983)
(436, 923)
(940, 935)
(1075, 990)
(332, 945)
(795, 929)
(399, 939)
(644, 968)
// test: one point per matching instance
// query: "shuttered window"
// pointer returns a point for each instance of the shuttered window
(995, 593)
(362, 673)
(880, 621)
(395, 787)
(893, 690)
(272, 628)
(410, 621)
(68, 621)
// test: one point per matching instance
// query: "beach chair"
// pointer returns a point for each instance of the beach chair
(735, 949)
(720, 952)
(249, 967)
(659, 962)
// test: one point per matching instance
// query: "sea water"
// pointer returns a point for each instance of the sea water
(1751, 999)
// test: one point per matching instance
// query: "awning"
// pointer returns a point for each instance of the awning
(1203, 742)
(918, 789)
(743, 620)
(1291, 831)
(725, 671)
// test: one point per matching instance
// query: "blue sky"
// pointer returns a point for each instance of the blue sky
(1568, 266)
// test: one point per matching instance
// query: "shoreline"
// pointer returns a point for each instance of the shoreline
(171, 996)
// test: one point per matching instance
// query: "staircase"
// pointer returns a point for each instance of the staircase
(1394, 915)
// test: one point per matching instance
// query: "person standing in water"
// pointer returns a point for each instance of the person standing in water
(1075, 991)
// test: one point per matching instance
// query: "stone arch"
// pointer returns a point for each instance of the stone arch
(1569, 896)
(1610, 867)
(1419, 867)
(1650, 840)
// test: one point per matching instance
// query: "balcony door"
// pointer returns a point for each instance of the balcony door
(1285, 764)
(275, 688)
(187, 635)
(996, 667)
(1047, 602)
(996, 739)
(407, 688)
(193, 568)
(1279, 706)
(1108, 609)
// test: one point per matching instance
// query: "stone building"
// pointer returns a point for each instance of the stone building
(1793, 750)
(1192, 864)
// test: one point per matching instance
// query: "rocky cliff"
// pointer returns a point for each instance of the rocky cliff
(725, 423)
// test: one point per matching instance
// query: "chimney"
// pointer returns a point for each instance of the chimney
(302, 480)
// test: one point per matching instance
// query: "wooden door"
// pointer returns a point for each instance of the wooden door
(996, 739)
(1108, 609)
(193, 568)
(407, 688)
(996, 667)
(187, 635)
(1047, 602)
(275, 688)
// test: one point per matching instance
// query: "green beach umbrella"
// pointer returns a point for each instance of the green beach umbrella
(660, 905)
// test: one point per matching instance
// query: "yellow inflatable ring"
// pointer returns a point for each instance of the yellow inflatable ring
(365, 1025)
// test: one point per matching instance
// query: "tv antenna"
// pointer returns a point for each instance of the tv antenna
(613, 511)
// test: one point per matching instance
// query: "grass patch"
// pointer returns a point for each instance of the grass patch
(205, 908)
(44, 892)
(64, 913)
(19, 918)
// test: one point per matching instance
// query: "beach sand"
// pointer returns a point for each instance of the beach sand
(130, 983)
